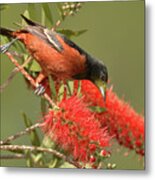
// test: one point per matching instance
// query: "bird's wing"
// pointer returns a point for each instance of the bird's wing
(51, 37)
(43, 33)
(72, 44)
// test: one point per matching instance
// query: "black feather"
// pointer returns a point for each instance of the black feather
(30, 22)
(72, 44)
(6, 32)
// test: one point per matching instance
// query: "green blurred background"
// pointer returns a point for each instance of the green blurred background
(115, 35)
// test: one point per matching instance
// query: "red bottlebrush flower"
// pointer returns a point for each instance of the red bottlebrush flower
(92, 159)
(120, 118)
(104, 153)
(91, 93)
(75, 129)
(124, 122)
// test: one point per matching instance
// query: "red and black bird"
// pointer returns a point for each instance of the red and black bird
(57, 55)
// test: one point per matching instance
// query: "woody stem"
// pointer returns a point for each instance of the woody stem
(40, 149)
(30, 79)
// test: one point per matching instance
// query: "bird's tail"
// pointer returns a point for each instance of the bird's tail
(6, 32)
(10, 34)
(30, 22)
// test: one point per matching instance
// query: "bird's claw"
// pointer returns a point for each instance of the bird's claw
(4, 48)
(39, 90)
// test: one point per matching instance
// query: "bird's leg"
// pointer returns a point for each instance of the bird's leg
(4, 48)
(40, 89)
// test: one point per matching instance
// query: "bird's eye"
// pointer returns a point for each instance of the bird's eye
(103, 78)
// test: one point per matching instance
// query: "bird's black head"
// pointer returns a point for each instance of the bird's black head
(95, 70)
(99, 75)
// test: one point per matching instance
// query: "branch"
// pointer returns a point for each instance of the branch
(58, 23)
(30, 79)
(9, 79)
(19, 134)
(40, 149)
(13, 73)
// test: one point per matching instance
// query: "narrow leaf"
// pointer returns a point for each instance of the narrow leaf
(53, 89)
(26, 14)
(35, 67)
(19, 47)
(53, 163)
(33, 135)
(37, 157)
(32, 10)
(3, 39)
(70, 87)
(43, 106)
(48, 143)
(97, 109)
(69, 33)
(29, 161)
(67, 165)
(42, 16)
(61, 92)
(48, 14)
(79, 89)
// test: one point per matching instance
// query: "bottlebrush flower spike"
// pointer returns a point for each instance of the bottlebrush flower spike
(90, 92)
(120, 118)
(75, 129)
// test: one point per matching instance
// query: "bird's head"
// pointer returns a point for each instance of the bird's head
(99, 76)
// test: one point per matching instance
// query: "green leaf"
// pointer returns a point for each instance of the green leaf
(69, 33)
(52, 87)
(70, 87)
(32, 10)
(4, 39)
(29, 160)
(19, 47)
(48, 143)
(33, 135)
(43, 106)
(37, 158)
(26, 14)
(48, 14)
(53, 163)
(61, 92)
(79, 89)
(34, 66)
(43, 17)
(97, 109)
(67, 165)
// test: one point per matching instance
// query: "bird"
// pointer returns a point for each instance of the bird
(57, 55)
